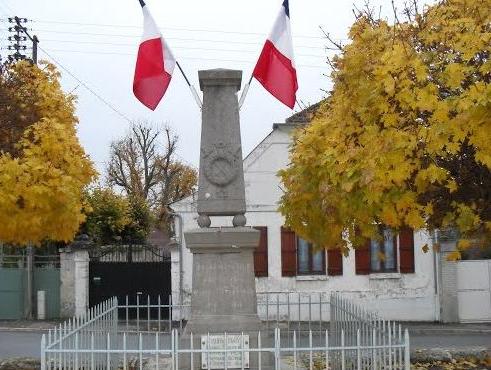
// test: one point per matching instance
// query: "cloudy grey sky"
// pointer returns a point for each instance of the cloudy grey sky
(97, 40)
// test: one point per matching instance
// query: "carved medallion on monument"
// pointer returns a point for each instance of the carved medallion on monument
(221, 163)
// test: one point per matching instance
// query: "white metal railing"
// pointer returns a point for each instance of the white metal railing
(288, 310)
(356, 339)
(385, 345)
(294, 310)
(93, 330)
(147, 314)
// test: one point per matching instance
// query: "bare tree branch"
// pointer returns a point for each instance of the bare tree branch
(140, 167)
(338, 45)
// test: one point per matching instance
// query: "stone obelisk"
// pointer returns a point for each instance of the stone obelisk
(224, 293)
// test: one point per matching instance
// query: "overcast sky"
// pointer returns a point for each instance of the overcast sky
(97, 40)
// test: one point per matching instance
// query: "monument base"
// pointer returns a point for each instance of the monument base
(224, 303)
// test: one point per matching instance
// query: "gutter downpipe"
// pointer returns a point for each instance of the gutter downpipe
(436, 274)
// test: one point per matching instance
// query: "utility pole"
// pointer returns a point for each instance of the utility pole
(35, 42)
(20, 35)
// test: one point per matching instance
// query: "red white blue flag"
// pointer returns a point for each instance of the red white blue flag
(275, 69)
(154, 64)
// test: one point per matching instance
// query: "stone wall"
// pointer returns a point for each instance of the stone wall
(74, 288)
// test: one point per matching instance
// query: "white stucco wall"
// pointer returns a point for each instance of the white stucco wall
(396, 296)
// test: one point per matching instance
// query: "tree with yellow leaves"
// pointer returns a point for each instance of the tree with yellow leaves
(404, 137)
(43, 168)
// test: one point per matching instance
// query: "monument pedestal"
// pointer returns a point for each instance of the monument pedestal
(224, 297)
(224, 289)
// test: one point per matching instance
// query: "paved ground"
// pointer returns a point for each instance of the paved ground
(23, 339)
(20, 344)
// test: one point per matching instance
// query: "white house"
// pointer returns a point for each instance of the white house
(404, 286)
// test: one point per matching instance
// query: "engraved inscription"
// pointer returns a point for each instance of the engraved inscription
(222, 347)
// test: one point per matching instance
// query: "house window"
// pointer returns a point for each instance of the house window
(383, 252)
(298, 257)
(309, 260)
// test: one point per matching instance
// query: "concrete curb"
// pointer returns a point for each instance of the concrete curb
(26, 330)
(448, 331)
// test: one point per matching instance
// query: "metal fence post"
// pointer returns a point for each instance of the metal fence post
(343, 365)
(358, 350)
(43, 352)
(374, 350)
(294, 350)
(173, 350)
(277, 345)
(407, 359)
(311, 354)
(259, 353)
(327, 349)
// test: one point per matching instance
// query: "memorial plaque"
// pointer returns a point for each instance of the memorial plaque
(217, 360)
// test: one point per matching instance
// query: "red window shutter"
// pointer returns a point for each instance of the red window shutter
(406, 249)
(261, 253)
(334, 262)
(362, 259)
(288, 252)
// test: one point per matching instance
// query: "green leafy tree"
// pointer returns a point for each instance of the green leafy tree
(115, 218)
(141, 221)
(108, 214)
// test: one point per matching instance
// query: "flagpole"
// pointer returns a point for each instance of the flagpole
(191, 87)
(244, 92)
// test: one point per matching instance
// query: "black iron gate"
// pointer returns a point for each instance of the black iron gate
(130, 273)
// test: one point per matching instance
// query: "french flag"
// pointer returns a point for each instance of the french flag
(154, 64)
(275, 69)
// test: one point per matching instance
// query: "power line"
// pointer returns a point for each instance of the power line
(170, 28)
(202, 49)
(169, 38)
(88, 33)
(86, 86)
(100, 97)
(185, 39)
(184, 58)
(182, 47)
(138, 36)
